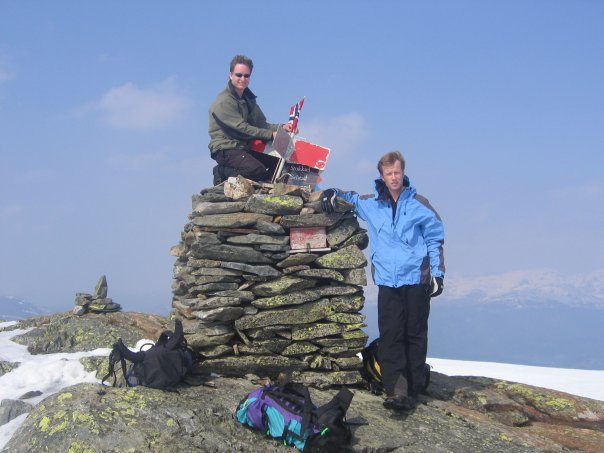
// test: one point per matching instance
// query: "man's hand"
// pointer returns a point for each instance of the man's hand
(436, 286)
(289, 128)
(328, 200)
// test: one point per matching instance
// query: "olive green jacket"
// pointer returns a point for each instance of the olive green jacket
(235, 121)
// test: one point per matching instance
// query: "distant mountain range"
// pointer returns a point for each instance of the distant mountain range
(13, 308)
(536, 318)
(534, 286)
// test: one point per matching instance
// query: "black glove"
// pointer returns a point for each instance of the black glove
(328, 200)
(435, 287)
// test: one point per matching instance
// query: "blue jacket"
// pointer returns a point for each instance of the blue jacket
(408, 249)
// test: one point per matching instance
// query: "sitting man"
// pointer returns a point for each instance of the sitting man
(235, 121)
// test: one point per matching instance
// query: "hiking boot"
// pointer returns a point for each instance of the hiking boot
(218, 175)
(400, 403)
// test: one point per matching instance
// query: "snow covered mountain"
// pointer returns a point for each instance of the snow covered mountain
(534, 286)
(13, 308)
(538, 317)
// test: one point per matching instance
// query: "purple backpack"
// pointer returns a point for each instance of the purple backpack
(286, 412)
(280, 411)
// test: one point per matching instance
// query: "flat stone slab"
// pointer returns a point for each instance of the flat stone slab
(210, 352)
(361, 240)
(274, 204)
(316, 330)
(304, 314)
(299, 348)
(197, 262)
(348, 304)
(212, 197)
(347, 318)
(207, 238)
(342, 231)
(203, 279)
(345, 258)
(310, 220)
(232, 253)
(215, 272)
(356, 276)
(263, 347)
(308, 295)
(282, 285)
(216, 302)
(298, 259)
(244, 296)
(219, 314)
(321, 273)
(198, 340)
(269, 227)
(256, 239)
(262, 270)
(207, 208)
(213, 287)
(211, 329)
(235, 220)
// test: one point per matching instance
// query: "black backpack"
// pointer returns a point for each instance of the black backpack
(335, 435)
(163, 366)
(372, 373)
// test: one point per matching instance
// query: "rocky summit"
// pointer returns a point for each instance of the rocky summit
(251, 301)
(456, 415)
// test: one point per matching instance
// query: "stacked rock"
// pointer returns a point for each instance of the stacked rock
(97, 302)
(250, 304)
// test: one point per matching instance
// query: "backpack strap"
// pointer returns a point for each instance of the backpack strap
(127, 354)
(306, 412)
(340, 401)
(297, 395)
(114, 356)
(177, 338)
(121, 353)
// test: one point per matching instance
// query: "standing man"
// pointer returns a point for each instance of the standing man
(235, 121)
(406, 236)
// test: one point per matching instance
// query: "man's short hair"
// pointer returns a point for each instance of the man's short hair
(389, 159)
(242, 59)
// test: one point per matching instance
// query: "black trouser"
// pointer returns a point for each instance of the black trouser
(403, 323)
(233, 162)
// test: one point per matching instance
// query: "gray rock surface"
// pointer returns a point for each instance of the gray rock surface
(456, 415)
(11, 409)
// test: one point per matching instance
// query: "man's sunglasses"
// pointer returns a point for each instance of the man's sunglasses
(239, 75)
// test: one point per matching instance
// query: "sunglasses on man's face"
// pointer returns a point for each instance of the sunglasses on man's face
(239, 75)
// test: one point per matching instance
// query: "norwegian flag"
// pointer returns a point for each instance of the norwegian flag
(294, 114)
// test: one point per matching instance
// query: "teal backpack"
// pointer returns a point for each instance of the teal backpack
(286, 412)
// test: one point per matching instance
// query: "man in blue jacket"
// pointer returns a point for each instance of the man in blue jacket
(407, 262)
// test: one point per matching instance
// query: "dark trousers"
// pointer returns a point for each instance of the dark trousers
(403, 323)
(233, 162)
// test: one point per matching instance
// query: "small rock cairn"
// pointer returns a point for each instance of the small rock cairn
(249, 305)
(97, 302)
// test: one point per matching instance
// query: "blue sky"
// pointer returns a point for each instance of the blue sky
(497, 106)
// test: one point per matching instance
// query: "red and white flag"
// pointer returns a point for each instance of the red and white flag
(294, 114)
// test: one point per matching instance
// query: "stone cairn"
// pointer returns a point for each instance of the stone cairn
(249, 305)
(97, 302)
